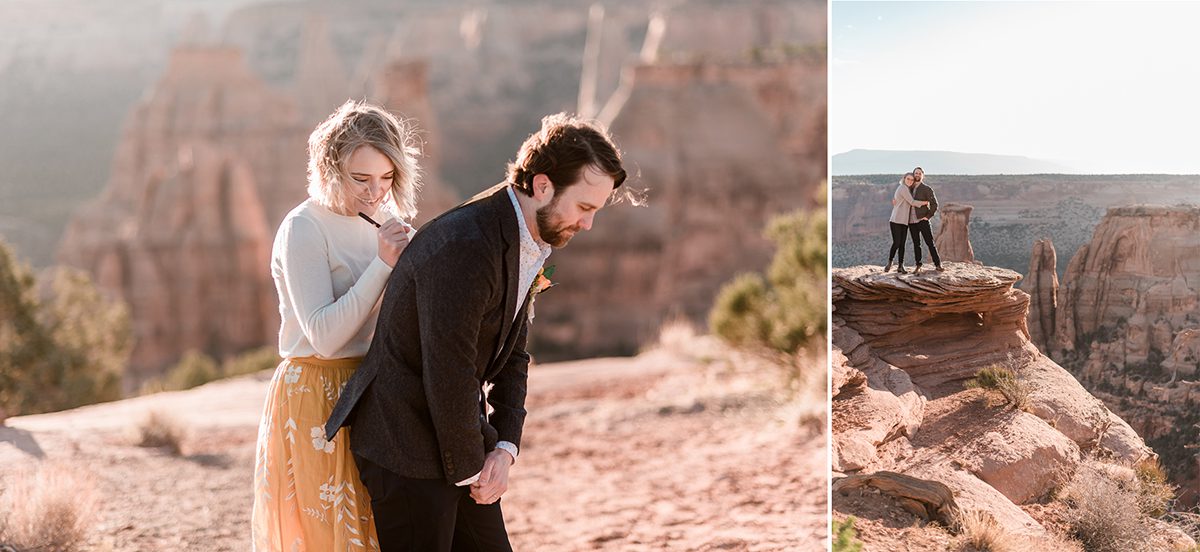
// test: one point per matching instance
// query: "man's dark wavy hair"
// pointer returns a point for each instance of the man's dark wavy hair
(561, 149)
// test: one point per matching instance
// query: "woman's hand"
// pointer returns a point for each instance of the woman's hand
(922, 204)
(393, 237)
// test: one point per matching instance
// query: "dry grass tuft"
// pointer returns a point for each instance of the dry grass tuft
(1103, 513)
(161, 431)
(1155, 493)
(983, 534)
(1010, 385)
(677, 335)
(50, 510)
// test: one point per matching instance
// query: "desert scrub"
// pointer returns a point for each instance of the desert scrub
(62, 344)
(193, 370)
(1155, 493)
(251, 362)
(785, 309)
(845, 538)
(158, 430)
(983, 534)
(1104, 513)
(50, 510)
(1010, 386)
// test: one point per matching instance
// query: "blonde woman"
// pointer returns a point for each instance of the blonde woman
(330, 266)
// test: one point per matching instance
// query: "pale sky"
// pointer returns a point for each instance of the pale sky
(1101, 87)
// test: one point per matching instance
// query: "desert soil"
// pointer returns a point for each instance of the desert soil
(683, 448)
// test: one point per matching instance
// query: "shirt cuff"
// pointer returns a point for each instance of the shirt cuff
(508, 447)
(469, 480)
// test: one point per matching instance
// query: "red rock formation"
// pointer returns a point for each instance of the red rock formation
(187, 253)
(1137, 271)
(208, 94)
(717, 147)
(181, 232)
(1126, 325)
(1042, 286)
(403, 88)
(953, 238)
(917, 339)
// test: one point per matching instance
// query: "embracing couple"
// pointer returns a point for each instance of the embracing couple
(913, 205)
(394, 418)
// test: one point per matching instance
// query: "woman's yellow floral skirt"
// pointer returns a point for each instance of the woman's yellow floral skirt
(307, 495)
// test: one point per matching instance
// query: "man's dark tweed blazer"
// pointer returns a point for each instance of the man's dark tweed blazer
(445, 328)
(924, 193)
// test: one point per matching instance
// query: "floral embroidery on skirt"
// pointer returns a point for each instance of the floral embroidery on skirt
(307, 494)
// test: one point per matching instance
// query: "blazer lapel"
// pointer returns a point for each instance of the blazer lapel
(512, 264)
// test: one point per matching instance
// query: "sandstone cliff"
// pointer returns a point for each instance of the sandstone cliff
(181, 232)
(402, 87)
(915, 340)
(721, 148)
(187, 252)
(1041, 284)
(1126, 324)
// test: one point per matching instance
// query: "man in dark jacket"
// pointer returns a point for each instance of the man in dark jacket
(920, 229)
(454, 318)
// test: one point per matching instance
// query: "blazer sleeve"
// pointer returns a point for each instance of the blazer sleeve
(454, 287)
(507, 396)
(933, 204)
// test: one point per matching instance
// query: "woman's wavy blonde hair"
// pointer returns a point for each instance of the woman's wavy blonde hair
(352, 125)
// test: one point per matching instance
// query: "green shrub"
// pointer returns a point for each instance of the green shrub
(845, 537)
(787, 309)
(62, 344)
(193, 370)
(253, 361)
(1010, 386)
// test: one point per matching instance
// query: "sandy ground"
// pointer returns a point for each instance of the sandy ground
(702, 450)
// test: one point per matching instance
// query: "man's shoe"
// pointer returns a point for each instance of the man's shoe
(900, 269)
(939, 267)
(917, 268)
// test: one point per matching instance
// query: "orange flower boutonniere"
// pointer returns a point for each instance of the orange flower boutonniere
(540, 283)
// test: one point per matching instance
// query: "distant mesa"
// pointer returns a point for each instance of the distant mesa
(865, 161)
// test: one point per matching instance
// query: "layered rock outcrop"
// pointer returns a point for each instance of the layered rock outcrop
(916, 339)
(953, 239)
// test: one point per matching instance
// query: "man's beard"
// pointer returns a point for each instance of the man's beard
(550, 230)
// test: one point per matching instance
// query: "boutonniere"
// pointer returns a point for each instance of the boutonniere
(541, 283)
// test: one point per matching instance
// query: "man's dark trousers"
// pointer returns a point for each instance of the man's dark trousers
(919, 230)
(430, 514)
